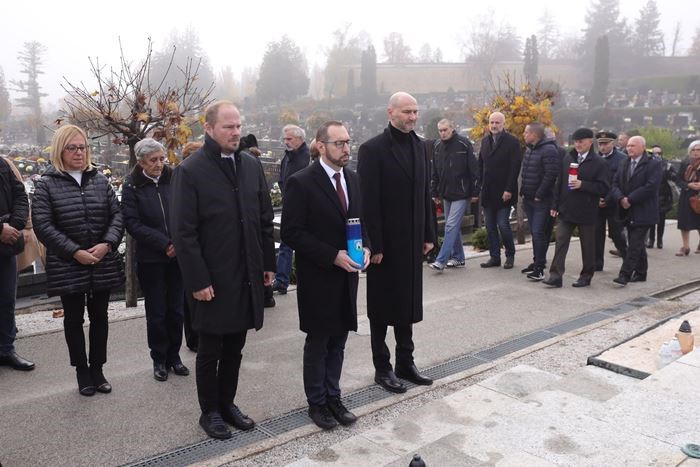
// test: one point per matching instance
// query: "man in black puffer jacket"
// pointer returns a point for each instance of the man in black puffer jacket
(454, 181)
(576, 205)
(539, 173)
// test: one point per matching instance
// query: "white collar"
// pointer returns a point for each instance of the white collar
(330, 171)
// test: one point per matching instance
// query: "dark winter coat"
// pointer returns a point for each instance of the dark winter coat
(146, 207)
(68, 217)
(398, 218)
(540, 169)
(313, 225)
(14, 204)
(454, 171)
(687, 218)
(665, 191)
(499, 167)
(293, 161)
(613, 161)
(581, 206)
(221, 226)
(641, 190)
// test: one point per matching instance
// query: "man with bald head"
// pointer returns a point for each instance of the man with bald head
(395, 183)
(635, 190)
(499, 166)
(221, 223)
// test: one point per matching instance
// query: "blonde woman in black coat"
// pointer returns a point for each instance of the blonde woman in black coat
(76, 216)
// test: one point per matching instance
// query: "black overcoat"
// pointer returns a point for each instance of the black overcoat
(687, 218)
(222, 229)
(499, 167)
(313, 225)
(581, 206)
(642, 191)
(397, 216)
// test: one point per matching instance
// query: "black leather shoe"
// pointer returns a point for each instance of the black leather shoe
(180, 369)
(340, 412)
(270, 302)
(16, 362)
(322, 417)
(552, 282)
(99, 380)
(214, 425)
(622, 280)
(389, 382)
(160, 372)
(581, 282)
(411, 374)
(279, 288)
(660, 244)
(638, 277)
(85, 385)
(491, 263)
(233, 415)
(510, 261)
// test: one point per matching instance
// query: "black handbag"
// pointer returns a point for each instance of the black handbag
(14, 249)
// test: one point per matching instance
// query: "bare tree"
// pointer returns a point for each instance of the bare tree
(547, 35)
(676, 39)
(126, 105)
(489, 43)
(396, 50)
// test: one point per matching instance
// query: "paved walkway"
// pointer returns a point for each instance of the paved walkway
(45, 421)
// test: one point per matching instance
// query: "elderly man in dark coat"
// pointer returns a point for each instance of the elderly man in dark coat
(635, 190)
(500, 157)
(319, 201)
(576, 205)
(222, 228)
(395, 179)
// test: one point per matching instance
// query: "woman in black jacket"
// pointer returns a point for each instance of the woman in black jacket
(76, 216)
(688, 180)
(145, 202)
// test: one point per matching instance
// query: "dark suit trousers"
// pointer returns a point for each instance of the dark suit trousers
(218, 362)
(380, 352)
(636, 257)
(608, 216)
(323, 364)
(587, 238)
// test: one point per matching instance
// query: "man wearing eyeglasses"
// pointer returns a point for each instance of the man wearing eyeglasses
(319, 201)
(296, 157)
(395, 179)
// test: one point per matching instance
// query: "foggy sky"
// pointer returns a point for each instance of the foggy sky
(236, 36)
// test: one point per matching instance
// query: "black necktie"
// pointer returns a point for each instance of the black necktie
(341, 193)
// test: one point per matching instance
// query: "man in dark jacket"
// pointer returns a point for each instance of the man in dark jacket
(320, 199)
(539, 173)
(635, 190)
(575, 204)
(454, 181)
(607, 212)
(222, 228)
(395, 179)
(14, 212)
(500, 157)
(296, 157)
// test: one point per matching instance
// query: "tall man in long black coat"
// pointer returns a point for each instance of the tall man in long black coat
(395, 179)
(636, 191)
(500, 158)
(319, 200)
(222, 229)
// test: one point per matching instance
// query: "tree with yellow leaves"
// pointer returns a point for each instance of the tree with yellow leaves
(125, 103)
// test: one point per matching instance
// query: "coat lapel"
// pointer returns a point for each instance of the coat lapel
(394, 152)
(321, 178)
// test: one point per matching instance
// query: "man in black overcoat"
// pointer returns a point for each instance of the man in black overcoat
(636, 191)
(221, 217)
(500, 157)
(575, 205)
(319, 201)
(395, 179)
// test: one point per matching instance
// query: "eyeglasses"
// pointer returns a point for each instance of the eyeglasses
(74, 148)
(340, 143)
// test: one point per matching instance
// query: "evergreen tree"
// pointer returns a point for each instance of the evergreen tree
(351, 84)
(601, 72)
(183, 50)
(368, 76)
(346, 51)
(531, 58)
(30, 62)
(5, 104)
(283, 76)
(603, 19)
(648, 40)
(548, 35)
